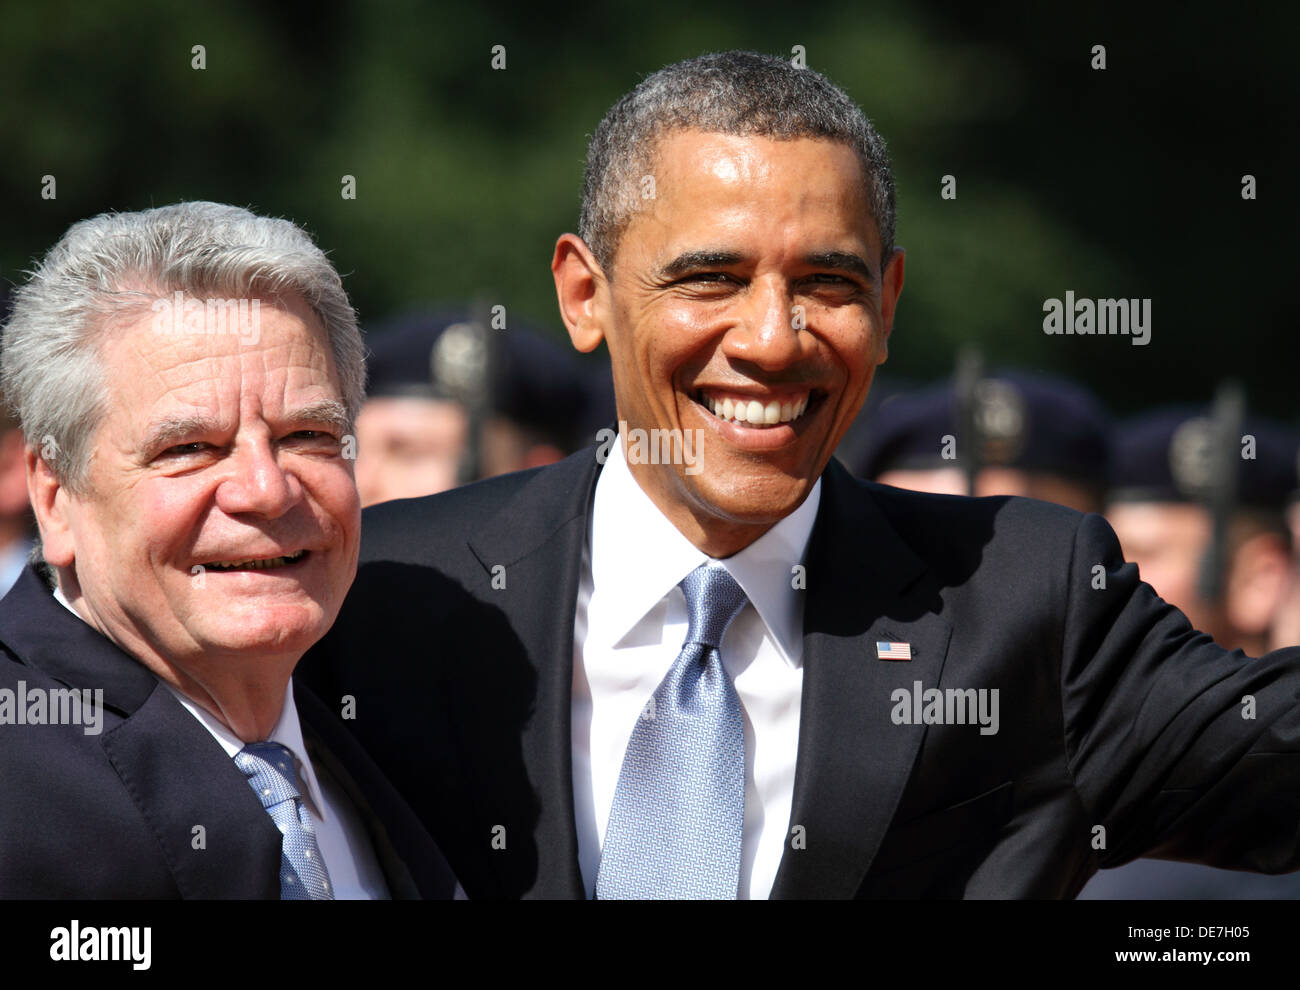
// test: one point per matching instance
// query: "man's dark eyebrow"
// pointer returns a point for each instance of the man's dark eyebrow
(843, 260)
(694, 261)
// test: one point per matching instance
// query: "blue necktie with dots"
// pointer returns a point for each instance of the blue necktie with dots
(679, 807)
(274, 779)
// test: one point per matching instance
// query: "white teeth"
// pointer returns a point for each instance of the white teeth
(755, 413)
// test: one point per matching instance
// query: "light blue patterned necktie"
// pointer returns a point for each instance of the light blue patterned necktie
(271, 773)
(679, 808)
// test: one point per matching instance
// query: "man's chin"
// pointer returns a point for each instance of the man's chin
(269, 631)
(728, 497)
(754, 500)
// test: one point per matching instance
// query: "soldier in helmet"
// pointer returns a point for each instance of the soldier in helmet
(1200, 509)
(1028, 435)
(1197, 503)
(452, 400)
(412, 432)
(543, 403)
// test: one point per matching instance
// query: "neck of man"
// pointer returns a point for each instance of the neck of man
(714, 535)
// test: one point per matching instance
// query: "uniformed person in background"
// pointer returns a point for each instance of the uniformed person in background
(1013, 432)
(544, 403)
(452, 400)
(1201, 511)
(1198, 503)
(411, 432)
(1286, 627)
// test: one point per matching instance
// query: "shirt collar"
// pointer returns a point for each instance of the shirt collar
(287, 732)
(638, 557)
(58, 597)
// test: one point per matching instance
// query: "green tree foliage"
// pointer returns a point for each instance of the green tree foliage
(1120, 182)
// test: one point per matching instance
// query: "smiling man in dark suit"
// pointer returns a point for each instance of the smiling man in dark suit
(186, 377)
(701, 660)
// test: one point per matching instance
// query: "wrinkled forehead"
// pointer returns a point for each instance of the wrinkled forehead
(262, 353)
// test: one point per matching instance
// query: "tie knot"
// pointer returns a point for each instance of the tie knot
(270, 772)
(714, 599)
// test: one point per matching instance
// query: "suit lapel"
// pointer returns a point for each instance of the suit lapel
(538, 539)
(864, 585)
(412, 865)
(401, 885)
(45, 635)
(214, 835)
(181, 780)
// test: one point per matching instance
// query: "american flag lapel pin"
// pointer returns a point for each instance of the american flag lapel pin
(893, 651)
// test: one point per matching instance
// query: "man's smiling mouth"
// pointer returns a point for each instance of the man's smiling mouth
(257, 563)
(751, 412)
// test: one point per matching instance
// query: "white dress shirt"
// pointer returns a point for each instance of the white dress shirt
(355, 873)
(630, 624)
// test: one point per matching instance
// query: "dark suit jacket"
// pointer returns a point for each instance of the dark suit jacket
(1121, 728)
(112, 815)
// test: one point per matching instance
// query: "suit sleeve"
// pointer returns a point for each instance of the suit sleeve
(1178, 748)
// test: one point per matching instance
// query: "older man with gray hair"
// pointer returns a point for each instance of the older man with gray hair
(187, 378)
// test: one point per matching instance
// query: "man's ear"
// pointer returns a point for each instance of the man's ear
(50, 504)
(582, 291)
(891, 284)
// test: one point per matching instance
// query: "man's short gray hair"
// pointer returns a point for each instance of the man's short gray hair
(740, 93)
(113, 267)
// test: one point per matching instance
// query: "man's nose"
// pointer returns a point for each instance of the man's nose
(257, 483)
(768, 331)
